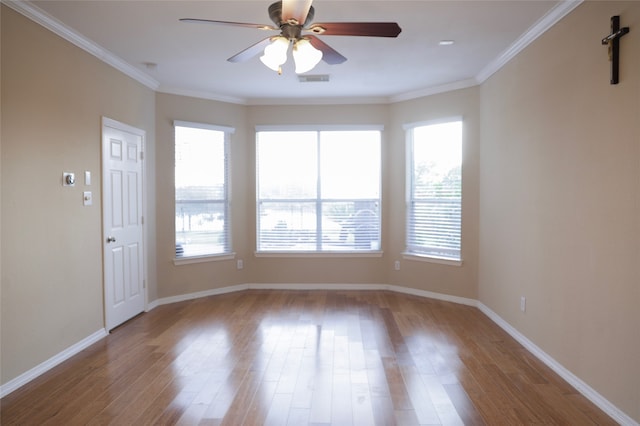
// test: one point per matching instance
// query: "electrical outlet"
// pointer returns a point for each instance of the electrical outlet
(396, 265)
(523, 304)
(239, 264)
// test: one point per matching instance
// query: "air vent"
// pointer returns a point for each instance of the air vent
(313, 78)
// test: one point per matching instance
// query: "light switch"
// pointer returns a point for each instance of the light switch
(87, 199)
(87, 177)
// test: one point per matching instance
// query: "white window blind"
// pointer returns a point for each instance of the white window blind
(318, 191)
(201, 190)
(434, 202)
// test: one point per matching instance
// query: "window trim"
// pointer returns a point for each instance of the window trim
(310, 253)
(431, 259)
(204, 126)
(317, 254)
(177, 261)
(211, 257)
(409, 139)
(318, 128)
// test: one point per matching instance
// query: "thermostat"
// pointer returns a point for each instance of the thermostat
(68, 179)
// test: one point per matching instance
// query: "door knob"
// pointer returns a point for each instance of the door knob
(111, 239)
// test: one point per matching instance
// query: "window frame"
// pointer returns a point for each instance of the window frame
(229, 253)
(408, 253)
(318, 253)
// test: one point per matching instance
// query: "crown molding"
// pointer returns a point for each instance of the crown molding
(365, 100)
(434, 90)
(52, 24)
(546, 22)
(200, 94)
(34, 13)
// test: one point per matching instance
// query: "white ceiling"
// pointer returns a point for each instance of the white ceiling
(191, 58)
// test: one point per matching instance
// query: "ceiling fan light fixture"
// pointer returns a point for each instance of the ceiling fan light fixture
(305, 56)
(293, 18)
(275, 54)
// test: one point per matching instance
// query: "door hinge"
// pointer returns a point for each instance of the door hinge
(142, 220)
(144, 283)
(142, 155)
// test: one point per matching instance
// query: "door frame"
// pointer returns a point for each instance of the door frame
(109, 122)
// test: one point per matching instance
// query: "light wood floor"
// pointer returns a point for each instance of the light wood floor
(298, 357)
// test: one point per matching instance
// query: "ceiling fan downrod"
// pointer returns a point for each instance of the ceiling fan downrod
(275, 14)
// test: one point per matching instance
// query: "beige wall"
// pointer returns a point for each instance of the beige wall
(53, 97)
(560, 199)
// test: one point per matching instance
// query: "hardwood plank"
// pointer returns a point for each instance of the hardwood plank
(303, 357)
(361, 404)
(397, 389)
(444, 406)
(420, 399)
(341, 408)
(192, 415)
(464, 406)
(242, 399)
(320, 411)
(583, 404)
(298, 416)
(279, 411)
(303, 389)
(383, 412)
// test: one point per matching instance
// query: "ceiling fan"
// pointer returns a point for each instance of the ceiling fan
(293, 19)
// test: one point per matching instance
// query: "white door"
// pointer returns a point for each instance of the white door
(122, 185)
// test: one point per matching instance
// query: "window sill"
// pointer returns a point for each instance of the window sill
(431, 259)
(202, 259)
(316, 254)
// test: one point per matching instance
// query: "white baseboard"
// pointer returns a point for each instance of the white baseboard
(262, 286)
(42, 368)
(313, 286)
(431, 295)
(588, 392)
(196, 295)
(317, 286)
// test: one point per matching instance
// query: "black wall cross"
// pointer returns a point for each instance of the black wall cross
(613, 41)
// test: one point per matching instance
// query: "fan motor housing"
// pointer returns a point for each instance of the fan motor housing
(275, 14)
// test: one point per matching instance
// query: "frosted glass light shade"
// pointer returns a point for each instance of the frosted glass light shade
(275, 54)
(305, 56)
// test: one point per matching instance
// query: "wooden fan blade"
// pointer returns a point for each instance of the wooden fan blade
(250, 51)
(229, 23)
(366, 29)
(329, 55)
(295, 9)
